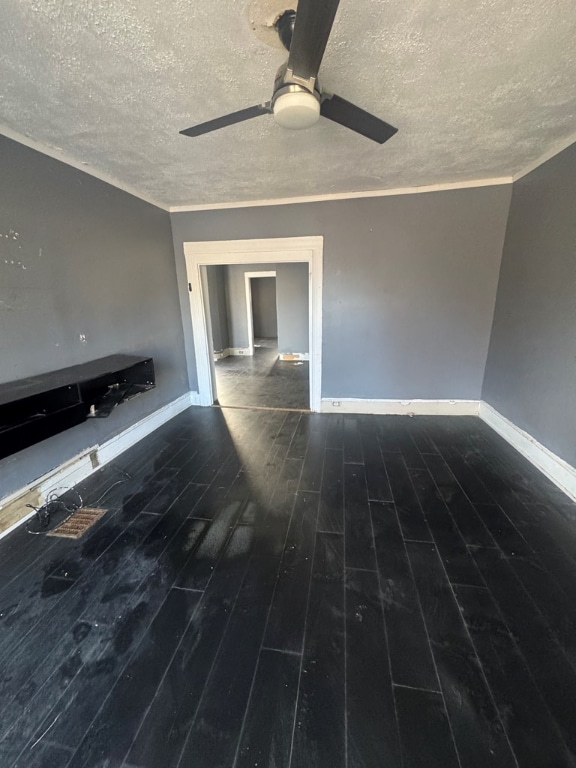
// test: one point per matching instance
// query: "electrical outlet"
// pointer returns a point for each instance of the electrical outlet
(82, 338)
(336, 403)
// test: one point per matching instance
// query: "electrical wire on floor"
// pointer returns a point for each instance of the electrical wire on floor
(118, 482)
(55, 504)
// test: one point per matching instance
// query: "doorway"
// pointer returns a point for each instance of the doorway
(261, 358)
(254, 252)
(261, 307)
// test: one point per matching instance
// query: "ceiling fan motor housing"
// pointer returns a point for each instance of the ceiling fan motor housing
(295, 107)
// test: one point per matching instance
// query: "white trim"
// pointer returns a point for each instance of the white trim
(559, 147)
(556, 469)
(59, 154)
(444, 187)
(233, 352)
(133, 434)
(292, 356)
(261, 251)
(400, 407)
(248, 289)
(77, 469)
(194, 398)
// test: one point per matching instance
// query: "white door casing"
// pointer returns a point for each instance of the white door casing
(250, 319)
(261, 251)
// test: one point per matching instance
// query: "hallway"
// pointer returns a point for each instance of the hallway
(262, 380)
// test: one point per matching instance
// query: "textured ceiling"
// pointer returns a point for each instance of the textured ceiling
(478, 89)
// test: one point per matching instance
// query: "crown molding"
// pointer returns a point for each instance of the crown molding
(559, 147)
(492, 182)
(58, 154)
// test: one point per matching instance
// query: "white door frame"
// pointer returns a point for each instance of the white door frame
(248, 286)
(264, 251)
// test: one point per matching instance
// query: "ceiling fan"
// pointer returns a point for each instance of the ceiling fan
(297, 100)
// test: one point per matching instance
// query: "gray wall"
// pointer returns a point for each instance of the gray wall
(292, 304)
(293, 312)
(218, 312)
(409, 285)
(264, 317)
(78, 256)
(531, 369)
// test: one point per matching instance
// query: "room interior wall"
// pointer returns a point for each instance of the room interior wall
(218, 310)
(264, 313)
(292, 289)
(291, 298)
(86, 270)
(531, 366)
(409, 285)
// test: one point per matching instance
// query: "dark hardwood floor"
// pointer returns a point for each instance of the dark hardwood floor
(263, 380)
(281, 589)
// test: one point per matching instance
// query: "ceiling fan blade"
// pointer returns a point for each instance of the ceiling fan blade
(350, 116)
(231, 119)
(314, 19)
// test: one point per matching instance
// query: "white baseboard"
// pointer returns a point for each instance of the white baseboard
(289, 356)
(233, 352)
(194, 398)
(78, 468)
(556, 469)
(400, 407)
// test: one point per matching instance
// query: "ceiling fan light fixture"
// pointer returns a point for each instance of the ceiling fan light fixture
(296, 110)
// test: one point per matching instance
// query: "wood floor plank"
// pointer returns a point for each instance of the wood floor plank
(110, 734)
(418, 430)
(311, 478)
(372, 733)
(359, 539)
(335, 432)
(269, 722)
(424, 730)
(353, 453)
(45, 755)
(376, 476)
(475, 722)
(552, 672)
(331, 517)
(299, 444)
(162, 734)
(285, 630)
(215, 732)
(412, 521)
(471, 527)
(410, 653)
(320, 715)
(534, 735)
(457, 560)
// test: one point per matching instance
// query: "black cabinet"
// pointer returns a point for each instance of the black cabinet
(38, 407)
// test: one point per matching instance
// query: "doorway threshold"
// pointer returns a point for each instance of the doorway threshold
(260, 408)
